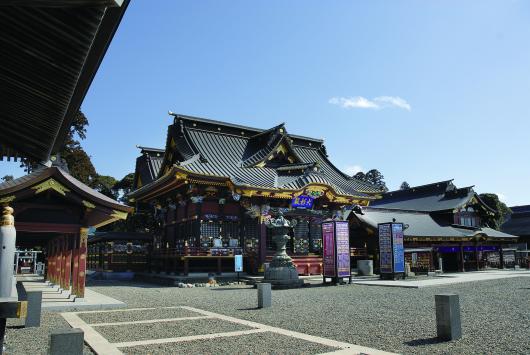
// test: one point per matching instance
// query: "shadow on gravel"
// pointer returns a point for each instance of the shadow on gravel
(424, 341)
(16, 327)
(249, 309)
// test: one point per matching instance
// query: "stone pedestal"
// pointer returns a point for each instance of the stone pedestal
(283, 277)
(365, 267)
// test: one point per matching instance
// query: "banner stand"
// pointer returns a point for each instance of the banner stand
(336, 252)
(391, 251)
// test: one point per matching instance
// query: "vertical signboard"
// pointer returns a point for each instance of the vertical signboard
(391, 249)
(385, 248)
(238, 263)
(328, 231)
(397, 247)
(342, 241)
(336, 249)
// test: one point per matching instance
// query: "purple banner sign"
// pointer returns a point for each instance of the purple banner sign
(385, 248)
(342, 239)
(328, 231)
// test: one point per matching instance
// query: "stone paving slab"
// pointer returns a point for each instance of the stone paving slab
(217, 326)
(266, 342)
(124, 333)
(130, 315)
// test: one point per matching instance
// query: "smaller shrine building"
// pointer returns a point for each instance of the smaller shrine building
(445, 228)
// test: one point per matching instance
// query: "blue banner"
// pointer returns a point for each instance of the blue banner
(397, 247)
(303, 202)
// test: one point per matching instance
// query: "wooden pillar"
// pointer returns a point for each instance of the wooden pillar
(75, 260)
(81, 276)
(501, 257)
(68, 263)
(262, 243)
(58, 261)
(462, 268)
(64, 246)
(49, 266)
(476, 256)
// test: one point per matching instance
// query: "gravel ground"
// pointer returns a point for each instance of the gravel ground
(495, 314)
(25, 341)
(134, 332)
(262, 343)
(128, 316)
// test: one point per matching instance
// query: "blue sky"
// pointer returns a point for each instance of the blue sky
(422, 91)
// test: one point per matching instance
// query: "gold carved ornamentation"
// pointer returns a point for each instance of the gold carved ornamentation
(50, 184)
(119, 214)
(7, 199)
(88, 204)
(7, 217)
(284, 194)
(180, 175)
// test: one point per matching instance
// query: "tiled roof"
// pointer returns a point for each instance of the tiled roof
(221, 149)
(439, 196)
(42, 174)
(519, 222)
(421, 224)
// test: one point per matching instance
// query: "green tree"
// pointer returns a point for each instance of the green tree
(501, 210)
(105, 185)
(8, 178)
(124, 186)
(372, 177)
(78, 161)
(360, 176)
(375, 178)
(404, 185)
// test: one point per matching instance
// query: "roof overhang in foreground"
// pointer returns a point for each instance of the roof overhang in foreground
(51, 51)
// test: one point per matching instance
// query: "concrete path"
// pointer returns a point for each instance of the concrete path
(447, 279)
(56, 299)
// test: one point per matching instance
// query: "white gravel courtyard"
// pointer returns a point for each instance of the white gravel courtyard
(495, 319)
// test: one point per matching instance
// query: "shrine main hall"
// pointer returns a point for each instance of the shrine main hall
(215, 184)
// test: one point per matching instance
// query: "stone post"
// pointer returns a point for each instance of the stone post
(264, 295)
(66, 341)
(34, 308)
(448, 324)
(8, 237)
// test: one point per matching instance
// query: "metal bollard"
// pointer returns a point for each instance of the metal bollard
(66, 341)
(264, 295)
(448, 323)
(34, 308)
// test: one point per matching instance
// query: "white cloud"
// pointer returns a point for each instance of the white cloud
(353, 169)
(376, 103)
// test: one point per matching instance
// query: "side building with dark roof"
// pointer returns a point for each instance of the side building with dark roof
(445, 228)
(219, 182)
(518, 223)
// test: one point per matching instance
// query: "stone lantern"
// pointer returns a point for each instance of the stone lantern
(281, 272)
